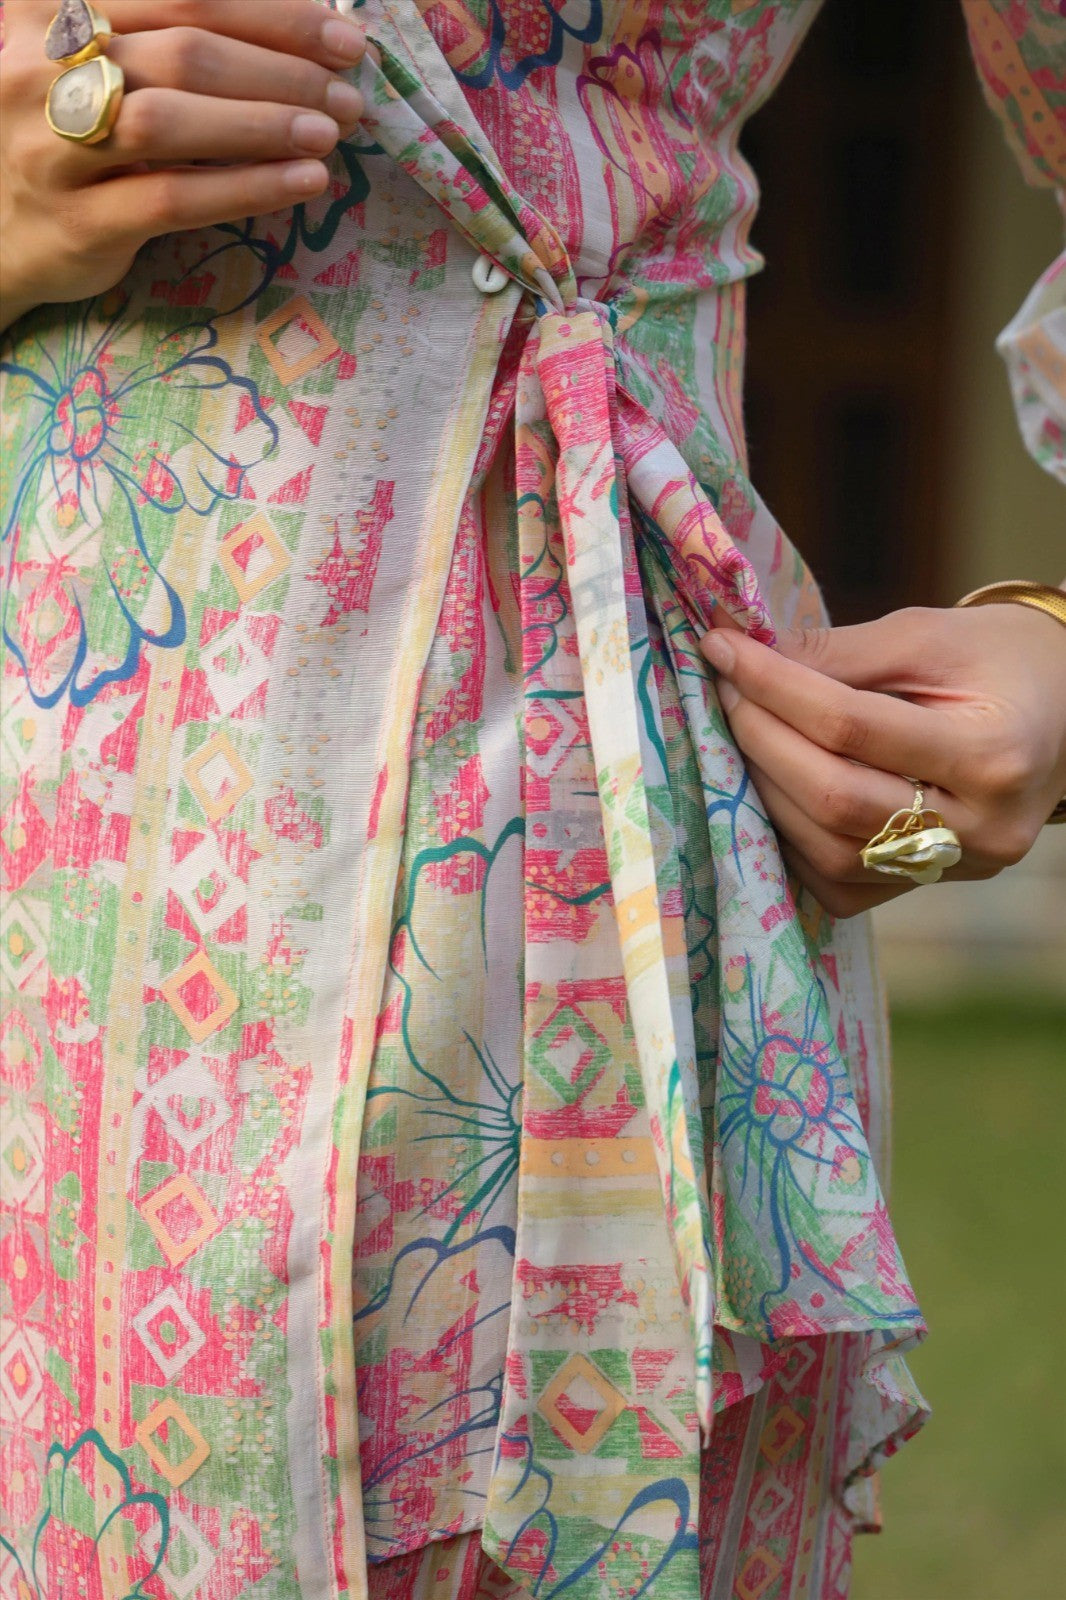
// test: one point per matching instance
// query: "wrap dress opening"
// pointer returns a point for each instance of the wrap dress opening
(441, 1155)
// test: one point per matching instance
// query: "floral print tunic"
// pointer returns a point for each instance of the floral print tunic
(441, 1154)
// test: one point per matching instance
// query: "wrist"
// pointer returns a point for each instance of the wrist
(1017, 598)
(1019, 595)
(1033, 623)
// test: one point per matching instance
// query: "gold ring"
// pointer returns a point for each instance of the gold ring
(83, 102)
(914, 843)
(77, 33)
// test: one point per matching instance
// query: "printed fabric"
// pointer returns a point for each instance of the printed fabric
(442, 1155)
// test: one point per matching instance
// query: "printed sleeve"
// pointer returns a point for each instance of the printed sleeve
(1019, 49)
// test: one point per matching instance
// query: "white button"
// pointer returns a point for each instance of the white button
(489, 277)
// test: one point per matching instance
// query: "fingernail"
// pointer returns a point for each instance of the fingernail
(727, 695)
(313, 132)
(343, 101)
(719, 651)
(343, 39)
(303, 178)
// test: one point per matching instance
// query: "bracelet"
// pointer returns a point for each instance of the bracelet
(1041, 597)
(1017, 591)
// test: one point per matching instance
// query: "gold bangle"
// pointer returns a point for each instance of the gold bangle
(1020, 592)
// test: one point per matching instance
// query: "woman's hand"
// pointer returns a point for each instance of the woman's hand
(250, 88)
(970, 701)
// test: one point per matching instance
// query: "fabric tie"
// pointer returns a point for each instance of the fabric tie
(612, 528)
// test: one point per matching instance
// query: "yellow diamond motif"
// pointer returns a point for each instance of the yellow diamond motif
(252, 556)
(217, 776)
(579, 1369)
(780, 1433)
(759, 1572)
(298, 311)
(182, 990)
(159, 1418)
(181, 1190)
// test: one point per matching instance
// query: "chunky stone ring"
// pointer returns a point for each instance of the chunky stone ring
(83, 102)
(77, 33)
(914, 843)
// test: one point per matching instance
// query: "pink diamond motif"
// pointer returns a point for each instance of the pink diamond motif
(20, 1374)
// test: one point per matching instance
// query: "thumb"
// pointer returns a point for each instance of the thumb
(864, 655)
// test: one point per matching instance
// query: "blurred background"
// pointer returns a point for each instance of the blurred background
(900, 238)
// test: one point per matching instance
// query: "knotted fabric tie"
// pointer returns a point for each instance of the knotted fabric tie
(613, 529)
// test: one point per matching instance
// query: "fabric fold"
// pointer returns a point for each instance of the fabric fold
(1033, 346)
(751, 1169)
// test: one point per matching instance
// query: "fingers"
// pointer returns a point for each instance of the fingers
(142, 205)
(171, 126)
(894, 735)
(293, 27)
(837, 799)
(222, 81)
(209, 64)
(195, 95)
(825, 809)
(835, 857)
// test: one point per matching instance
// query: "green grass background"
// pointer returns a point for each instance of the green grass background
(975, 1506)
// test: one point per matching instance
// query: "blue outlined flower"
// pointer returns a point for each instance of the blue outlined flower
(87, 1490)
(110, 451)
